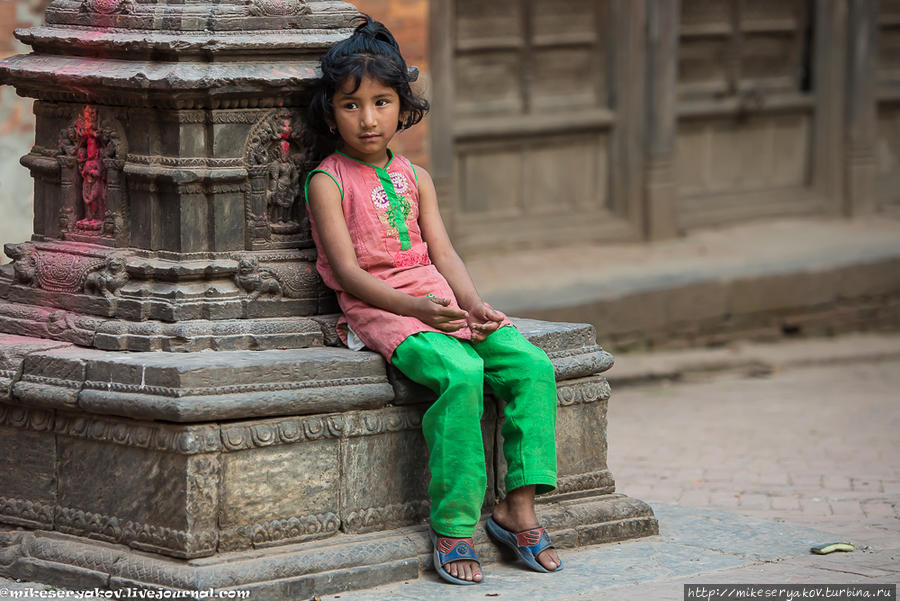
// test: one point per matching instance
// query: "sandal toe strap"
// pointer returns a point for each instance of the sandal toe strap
(451, 550)
(535, 540)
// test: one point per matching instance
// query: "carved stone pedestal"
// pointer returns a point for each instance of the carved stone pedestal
(290, 473)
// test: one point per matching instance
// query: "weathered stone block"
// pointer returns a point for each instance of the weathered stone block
(377, 499)
(280, 494)
(161, 502)
(27, 468)
(581, 437)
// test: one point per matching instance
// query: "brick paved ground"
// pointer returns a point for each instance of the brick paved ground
(818, 446)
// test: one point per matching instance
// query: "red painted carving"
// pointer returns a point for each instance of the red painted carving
(284, 181)
(90, 164)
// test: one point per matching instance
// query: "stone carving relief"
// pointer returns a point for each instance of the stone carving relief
(389, 515)
(92, 153)
(279, 531)
(24, 263)
(108, 280)
(63, 272)
(276, 161)
(255, 281)
(108, 7)
(278, 8)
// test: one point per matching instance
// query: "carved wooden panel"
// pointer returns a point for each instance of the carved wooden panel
(718, 156)
(730, 46)
(889, 43)
(888, 154)
(532, 116)
(887, 147)
(745, 109)
(532, 191)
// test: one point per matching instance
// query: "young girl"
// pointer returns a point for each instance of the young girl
(406, 294)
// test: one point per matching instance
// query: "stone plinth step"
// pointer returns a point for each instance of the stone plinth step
(300, 571)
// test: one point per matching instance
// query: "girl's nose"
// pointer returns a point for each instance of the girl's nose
(367, 117)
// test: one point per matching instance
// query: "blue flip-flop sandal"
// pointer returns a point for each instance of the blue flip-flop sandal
(447, 550)
(527, 544)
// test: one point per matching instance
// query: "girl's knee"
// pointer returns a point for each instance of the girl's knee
(537, 364)
(466, 371)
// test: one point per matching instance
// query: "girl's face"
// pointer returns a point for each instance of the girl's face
(366, 118)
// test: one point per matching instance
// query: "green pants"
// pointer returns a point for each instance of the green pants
(517, 372)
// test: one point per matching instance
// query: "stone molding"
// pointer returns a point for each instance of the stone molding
(201, 439)
(586, 390)
(167, 161)
(280, 531)
(386, 517)
(600, 480)
(25, 512)
(196, 439)
(171, 392)
(140, 536)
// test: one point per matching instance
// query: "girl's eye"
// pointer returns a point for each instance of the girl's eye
(350, 105)
(382, 102)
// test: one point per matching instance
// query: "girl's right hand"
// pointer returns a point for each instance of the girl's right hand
(437, 313)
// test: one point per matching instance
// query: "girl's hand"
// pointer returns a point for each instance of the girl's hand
(484, 319)
(438, 313)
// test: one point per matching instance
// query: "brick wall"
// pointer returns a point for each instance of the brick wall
(408, 21)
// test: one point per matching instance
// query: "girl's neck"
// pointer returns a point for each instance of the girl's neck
(380, 161)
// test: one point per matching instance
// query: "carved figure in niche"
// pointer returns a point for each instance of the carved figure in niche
(24, 263)
(93, 183)
(251, 279)
(109, 280)
(284, 181)
(89, 147)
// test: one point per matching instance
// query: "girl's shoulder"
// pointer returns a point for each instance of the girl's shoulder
(403, 164)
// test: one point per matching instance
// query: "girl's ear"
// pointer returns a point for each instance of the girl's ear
(401, 124)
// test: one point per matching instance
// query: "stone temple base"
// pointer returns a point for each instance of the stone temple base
(290, 473)
(299, 571)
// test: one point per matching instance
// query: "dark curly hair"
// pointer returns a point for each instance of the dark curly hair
(371, 50)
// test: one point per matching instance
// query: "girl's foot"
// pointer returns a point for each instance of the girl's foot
(516, 513)
(463, 569)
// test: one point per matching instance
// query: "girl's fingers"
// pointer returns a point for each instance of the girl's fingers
(440, 301)
(452, 313)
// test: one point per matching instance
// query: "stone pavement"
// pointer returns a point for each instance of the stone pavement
(745, 471)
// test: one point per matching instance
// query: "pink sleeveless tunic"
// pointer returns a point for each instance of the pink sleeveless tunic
(381, 207)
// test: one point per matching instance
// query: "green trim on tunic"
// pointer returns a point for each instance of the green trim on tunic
(309, 177)
(400, 208)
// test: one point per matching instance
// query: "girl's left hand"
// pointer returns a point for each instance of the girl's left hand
(483, 319)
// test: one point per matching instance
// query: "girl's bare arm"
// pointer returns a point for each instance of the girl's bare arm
(334, 237)
(446, 259)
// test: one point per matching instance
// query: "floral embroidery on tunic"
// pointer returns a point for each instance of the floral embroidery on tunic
(410, 258)
(397, 214)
